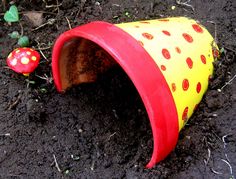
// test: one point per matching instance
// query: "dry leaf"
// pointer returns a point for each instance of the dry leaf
(36, 18)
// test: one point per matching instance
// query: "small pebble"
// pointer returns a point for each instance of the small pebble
(97, 3)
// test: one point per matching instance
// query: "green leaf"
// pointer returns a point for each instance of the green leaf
(222, 50)
(23, 41)
(12, 14)
(14, 35)
(43, 90)
(30, 81)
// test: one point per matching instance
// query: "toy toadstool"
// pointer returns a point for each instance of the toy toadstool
(23, 60)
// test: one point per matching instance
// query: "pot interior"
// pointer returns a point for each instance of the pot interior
(81, 61)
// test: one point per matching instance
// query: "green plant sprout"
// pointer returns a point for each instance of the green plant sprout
(29, 82)
(222, 50)
(12, 15)
(43, 90)
(14, 35)
(23, 41)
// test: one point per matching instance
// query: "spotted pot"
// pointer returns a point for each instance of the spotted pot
(169, 61)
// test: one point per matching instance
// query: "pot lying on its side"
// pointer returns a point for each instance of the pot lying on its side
(168, 60)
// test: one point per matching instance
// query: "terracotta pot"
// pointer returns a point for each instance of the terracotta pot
(168, 60)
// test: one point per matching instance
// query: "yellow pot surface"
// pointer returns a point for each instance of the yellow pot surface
(182, 49)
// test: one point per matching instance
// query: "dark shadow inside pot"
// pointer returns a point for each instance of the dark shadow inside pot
(120, 123)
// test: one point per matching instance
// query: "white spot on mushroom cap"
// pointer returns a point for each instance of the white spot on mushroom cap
(10, 55)
(24, 60)
(34, 58)
(13, 62)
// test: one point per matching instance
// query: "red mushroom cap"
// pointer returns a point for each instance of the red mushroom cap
(23, 60)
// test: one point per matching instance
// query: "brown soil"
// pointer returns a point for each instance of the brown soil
(101, 130)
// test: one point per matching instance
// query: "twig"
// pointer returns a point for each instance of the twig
(14, 103)
(5, 135)
(217, 136)
(215, 34)
(43, 48)
(5, 67)
(43, 55)
(227, 83)
(111, 136)
(185, 4)
(40, 50)
(82, 3)
(53, 5)
(223, 139)
(58, 7)
(21, 29)
(230, 167)
(215, 172)
(117, 5)
(68, 23)
(49, 22)
(209, 156)
(46, 78)
(56, 164)
(92, 166)
(227, 161)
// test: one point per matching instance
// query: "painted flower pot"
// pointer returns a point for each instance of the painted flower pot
(168, 60)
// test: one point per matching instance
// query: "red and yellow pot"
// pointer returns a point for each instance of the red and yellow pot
(168, 60)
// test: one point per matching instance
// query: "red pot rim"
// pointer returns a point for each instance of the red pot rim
(144, 73)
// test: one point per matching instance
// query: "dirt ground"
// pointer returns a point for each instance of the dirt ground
(101, 130)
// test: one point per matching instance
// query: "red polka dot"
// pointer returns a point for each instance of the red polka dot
(163, 67)
(215, 53)
(203, 59)
(185, 84)
(173, 87)
(144, 22)
(197, 28)
(141, 43)
(189, 62)
(185, 114)
(166, 53)
(148, 36)
(178, 50)
(166, 32)
(199, 87)
(188, 37)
